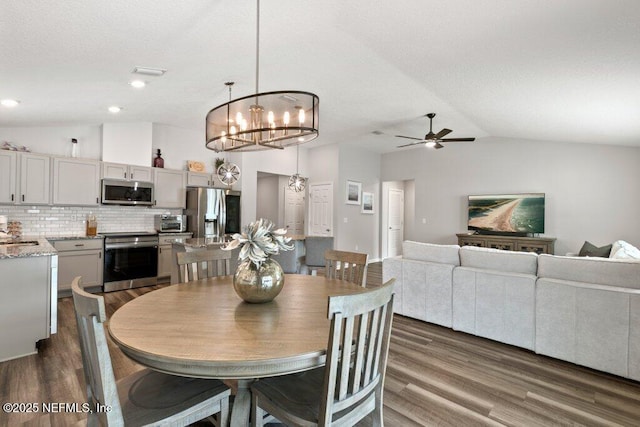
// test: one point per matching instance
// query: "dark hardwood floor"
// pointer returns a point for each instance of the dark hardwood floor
(435, 376)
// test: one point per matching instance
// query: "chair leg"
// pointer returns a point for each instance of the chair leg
(377, 416)
(224, 413)
(257, 414)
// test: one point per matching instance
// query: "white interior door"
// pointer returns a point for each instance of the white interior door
(321, 209)
(395, 226)
(293, 212)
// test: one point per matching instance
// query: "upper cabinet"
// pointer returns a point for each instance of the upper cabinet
(199, 179)
(35, 179)
(128, 172)
(76, 182)
(170, 188)
(8, 173)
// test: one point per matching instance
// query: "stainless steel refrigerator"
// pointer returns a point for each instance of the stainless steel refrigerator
(212, 212)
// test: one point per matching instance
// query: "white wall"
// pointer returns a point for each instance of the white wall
(356, 231)
(266, 203)
(592, 191)
(56, 140)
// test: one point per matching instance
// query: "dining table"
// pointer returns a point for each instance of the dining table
(203, 329)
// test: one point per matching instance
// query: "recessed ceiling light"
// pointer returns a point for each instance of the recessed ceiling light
(9, 103)
(148, 71)
(115, 109)
(138, 84)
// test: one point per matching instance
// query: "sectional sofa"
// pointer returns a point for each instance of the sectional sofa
(582, 310)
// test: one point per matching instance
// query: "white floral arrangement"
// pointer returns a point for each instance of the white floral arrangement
(259, 241)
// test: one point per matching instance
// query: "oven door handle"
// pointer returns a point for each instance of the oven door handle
(130, 245)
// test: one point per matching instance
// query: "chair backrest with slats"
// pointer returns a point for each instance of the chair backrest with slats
(96, 360)
(202, 264)
(349, 266)
(357, 353)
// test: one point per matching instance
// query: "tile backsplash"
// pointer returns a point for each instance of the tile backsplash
(53, 221)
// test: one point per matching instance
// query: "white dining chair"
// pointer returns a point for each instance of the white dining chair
(202, 264)
(145, 397)
(349, 387)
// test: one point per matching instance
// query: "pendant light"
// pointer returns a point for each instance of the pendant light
(296, 182)
(228, 173)
(263, 120)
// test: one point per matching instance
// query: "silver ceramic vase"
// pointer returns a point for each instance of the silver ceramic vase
(257, 285)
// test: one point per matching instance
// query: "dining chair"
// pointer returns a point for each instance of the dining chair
(201, 264)
(145, 397)
(349, 387)
(349, 266)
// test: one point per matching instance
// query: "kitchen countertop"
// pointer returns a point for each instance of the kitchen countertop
(43, 248)
(56, 238)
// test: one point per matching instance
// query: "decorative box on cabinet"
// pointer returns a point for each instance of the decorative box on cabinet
(539, 245)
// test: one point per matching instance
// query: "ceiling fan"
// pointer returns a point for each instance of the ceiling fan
(433, 140)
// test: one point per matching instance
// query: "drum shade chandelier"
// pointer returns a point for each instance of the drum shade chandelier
(263, 120)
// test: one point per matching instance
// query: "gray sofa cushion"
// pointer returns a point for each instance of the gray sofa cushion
(495, 259)
(443, 254)
(602, 271)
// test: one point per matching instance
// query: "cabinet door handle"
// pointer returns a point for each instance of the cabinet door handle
(131, 175)
(23, 197)
(125, 175)
(97, 200)
(160, 250)
(12, 197)
(99, 255)
(79, 245)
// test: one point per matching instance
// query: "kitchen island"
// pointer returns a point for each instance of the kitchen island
(28, 295)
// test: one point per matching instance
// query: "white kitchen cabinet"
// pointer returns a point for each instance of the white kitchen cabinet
(35, 179)
(26, 313)
(128, 172)
(170, 188)
(79, 257)
(199, 179)
(76, 182)
(8, 175)
(165, 254)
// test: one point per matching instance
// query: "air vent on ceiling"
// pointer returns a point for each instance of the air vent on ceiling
(147, 71)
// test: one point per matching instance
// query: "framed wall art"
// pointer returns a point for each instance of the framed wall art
(367, 203)
(354, 193)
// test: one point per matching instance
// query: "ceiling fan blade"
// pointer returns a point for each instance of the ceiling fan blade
(457, 139)
(409, 145)
(438, 146)
(409, 137)
(442, 133)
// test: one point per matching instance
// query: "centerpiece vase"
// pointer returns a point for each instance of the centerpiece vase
(258, 284)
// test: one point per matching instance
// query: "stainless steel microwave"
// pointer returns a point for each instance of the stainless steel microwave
(121, 192)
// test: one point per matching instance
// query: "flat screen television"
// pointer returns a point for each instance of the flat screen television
(507, 213)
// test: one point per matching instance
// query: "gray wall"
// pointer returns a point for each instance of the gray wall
(592, 191)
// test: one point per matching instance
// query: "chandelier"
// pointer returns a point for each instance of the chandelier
(296, 182)
(263, 120)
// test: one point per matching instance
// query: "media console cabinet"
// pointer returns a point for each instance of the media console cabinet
(539, 245)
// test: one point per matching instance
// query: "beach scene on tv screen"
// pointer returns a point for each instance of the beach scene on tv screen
(509, 213)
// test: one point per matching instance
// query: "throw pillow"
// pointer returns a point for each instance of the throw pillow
(624, 250)
(589, 249)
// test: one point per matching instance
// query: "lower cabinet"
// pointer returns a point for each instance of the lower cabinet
(79, 257)
(165, 253)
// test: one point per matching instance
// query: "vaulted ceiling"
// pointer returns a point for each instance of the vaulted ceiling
(558, 70)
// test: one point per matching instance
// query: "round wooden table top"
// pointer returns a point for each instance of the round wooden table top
(203, 329)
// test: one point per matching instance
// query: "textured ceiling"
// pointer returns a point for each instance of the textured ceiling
(559, 70)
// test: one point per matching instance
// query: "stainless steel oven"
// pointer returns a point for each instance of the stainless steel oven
(130, 260)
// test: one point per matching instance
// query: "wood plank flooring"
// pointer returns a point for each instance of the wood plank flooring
(435, 376)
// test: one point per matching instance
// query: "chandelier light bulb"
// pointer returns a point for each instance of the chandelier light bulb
(224, 137)
(232, 130)
(285, 118)
(238, 117)
(301, 117)
(270, 118)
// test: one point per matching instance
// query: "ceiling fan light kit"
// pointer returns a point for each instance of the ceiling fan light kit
(433, 140)
(263, 120)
